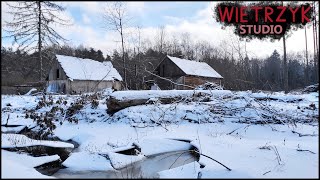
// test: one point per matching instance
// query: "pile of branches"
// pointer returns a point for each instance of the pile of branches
(266, 114)
(49, 112)
(209, 86)
(311, 88)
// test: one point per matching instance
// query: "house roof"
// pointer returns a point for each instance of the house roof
(195, 68)
(88, 69)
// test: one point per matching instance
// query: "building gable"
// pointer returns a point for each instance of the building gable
(57, 72)
(167, 68)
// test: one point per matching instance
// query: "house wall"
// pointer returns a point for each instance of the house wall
(59, 86)
(53, 72)
(170, 70)
(163, 84)
(77, 86)
(62, 84)
(167, 68)
(179, 81)
(194, 81)
(81, 86)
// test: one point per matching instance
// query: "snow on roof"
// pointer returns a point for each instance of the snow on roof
(88, 69)
(195, 68)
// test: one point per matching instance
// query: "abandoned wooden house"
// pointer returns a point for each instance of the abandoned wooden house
(178, 73)
(72, 75)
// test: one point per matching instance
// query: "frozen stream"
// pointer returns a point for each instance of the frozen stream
(146, 168)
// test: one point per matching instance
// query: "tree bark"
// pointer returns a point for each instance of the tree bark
(114, 105)
(39, 39)
(307, 63)
(315, 44)
(285, 76)
(123, 57)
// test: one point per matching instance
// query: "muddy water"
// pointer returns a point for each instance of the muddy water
(146, 168)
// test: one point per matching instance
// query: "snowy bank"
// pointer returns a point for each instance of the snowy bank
(18, 140)
(15, 165)
(84, 161)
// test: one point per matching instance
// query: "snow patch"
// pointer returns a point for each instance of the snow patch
(83, 161)
(18, 140)
(120, 160)
(187, 171)
(31, 90)
(156, 146)
(15, 165)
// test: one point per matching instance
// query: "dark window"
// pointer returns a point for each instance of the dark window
(58, 74)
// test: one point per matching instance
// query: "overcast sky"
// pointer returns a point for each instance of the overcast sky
(177, 17)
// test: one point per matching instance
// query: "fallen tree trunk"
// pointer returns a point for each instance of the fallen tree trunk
(115, 105)
(121, 100)
(294, 100)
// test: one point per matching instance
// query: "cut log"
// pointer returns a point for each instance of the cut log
(115, 105)
(123, 99)
(291, 100)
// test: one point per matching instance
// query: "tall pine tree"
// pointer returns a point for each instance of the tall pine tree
(32, 28)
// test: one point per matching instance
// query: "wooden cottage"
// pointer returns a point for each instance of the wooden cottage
(72, 75)
(183, 73)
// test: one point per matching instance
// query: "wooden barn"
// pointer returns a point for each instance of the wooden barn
(182, 71)
(72, 75)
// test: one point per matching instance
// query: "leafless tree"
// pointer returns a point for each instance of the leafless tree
(285, 65)
(315, 25)
(307, 59)
(116, 18)
(174, 44)
(161, 39)
(31, 26)
(138, 47)
(187, 45)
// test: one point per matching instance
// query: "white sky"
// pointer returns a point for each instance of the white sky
(177, 17)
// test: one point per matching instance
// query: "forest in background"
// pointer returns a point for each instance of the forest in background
(240, 72)
(139, 55)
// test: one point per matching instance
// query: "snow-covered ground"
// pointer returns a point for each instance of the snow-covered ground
(221, 127)
(15, 165)
(18, 140)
